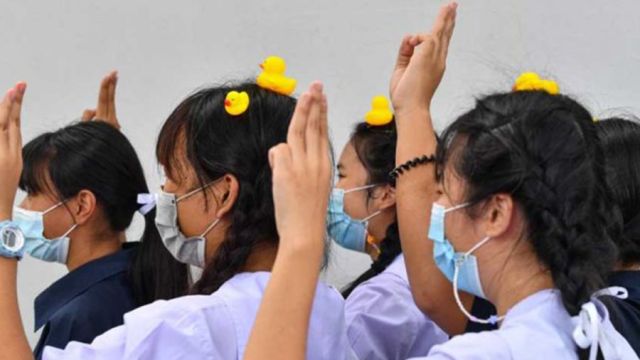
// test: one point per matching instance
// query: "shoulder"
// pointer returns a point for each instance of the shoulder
(483, 345)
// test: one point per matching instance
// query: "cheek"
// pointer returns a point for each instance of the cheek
(194, 217)
(460, 231)
(355, 204)
(56, 223)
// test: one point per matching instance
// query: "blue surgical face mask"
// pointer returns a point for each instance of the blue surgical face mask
(31, 224)
(460, 268)
(345, 231)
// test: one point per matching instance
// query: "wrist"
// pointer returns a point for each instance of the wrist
(421, 113)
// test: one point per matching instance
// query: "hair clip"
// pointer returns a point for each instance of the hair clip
(236, 103)
(380, 113)
(530, 81)
(273, 77)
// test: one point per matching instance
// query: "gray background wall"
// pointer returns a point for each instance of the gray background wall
(165, 49)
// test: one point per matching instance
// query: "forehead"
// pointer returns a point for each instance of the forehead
(178, 168)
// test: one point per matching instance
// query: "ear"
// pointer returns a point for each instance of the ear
(83, 206)
(499, 215)
(227, 193)
(384, 197)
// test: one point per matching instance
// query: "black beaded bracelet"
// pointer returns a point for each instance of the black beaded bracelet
(424, 159)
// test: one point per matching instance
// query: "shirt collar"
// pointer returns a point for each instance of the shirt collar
(78, 281)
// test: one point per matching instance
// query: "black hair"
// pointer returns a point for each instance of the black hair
(375, 147)
(95, 156)
(620, 139)
(543, 150)
(217, 144)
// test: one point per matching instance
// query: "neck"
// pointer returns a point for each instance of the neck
(514, 281)
(627, 267)
(262, 258)
(82, 252)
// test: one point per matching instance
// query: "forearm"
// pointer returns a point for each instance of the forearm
(415, 194)
(15, 345)
(281, 327)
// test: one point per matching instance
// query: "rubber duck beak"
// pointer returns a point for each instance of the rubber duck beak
(261, 66)
(227, 103)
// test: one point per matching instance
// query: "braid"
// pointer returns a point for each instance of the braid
(251, 225)
(390, 248)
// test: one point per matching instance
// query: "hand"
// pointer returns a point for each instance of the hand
(106, 109)
(421, 63)
(10, 148)
(302, 174)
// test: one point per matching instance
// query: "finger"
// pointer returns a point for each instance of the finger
(295, 136)
(5, 110)
(112, 95)
(439, 25)
(324, 124)
(449, 27)
(405, 52)
(15, 136)
(280, 158)
(103, 97)
(88, 115)
(312, 133)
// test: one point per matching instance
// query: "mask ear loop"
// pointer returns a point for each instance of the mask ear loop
(210, 227)
(73, 227)
(493, 319)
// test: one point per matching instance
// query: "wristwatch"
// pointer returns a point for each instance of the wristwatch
(11, 240)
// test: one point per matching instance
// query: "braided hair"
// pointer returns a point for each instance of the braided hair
(218, 144)
(375, 147)
(620, 139)
(543, 150)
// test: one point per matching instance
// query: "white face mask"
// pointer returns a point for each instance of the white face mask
(31, 223)
(186, 250)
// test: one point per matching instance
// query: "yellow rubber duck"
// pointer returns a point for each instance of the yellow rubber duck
(380, 113)
(236, 103)
(273, 77)
(530, 81)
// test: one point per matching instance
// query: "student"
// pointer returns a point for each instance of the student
(526, 211)
(382, 319)
(620, 139)
(216, 210)
(82, 183)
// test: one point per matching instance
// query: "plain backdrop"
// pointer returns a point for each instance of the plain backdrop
(166, 49)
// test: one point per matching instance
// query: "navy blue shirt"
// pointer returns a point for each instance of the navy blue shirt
(625, 314)
(86, 302)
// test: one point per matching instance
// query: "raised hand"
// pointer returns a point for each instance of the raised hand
(302, 172)
(106, 108)
(421, 63)
(10, 147)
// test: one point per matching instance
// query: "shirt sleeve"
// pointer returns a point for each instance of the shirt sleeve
(384, 323)
(162, 330)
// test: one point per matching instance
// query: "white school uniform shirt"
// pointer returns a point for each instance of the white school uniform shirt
(215, 326)
(383, 321)
(538, 327)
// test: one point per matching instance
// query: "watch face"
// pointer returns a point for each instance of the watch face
(12, 239)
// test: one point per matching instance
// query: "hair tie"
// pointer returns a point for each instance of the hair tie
(530, 81)
(236, 103)
(148, 202)
(273, 77)
(380, 113)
